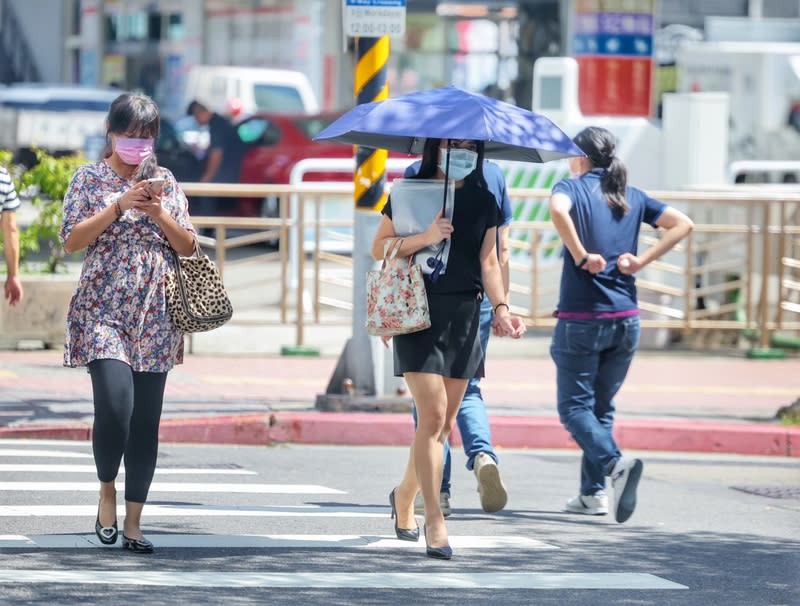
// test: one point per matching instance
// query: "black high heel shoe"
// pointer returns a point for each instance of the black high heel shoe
(136, 545)
(106, 534)
(440, 553)
(404, 534)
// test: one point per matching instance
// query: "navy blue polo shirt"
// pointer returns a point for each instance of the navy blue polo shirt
(607, 232)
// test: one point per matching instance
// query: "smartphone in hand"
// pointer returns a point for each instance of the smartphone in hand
(155, 185)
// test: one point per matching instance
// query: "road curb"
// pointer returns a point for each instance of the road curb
(370, 429)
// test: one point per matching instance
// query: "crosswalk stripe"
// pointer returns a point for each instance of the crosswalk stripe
(47, 468)
(297, 541)
(59, 454)
(236, 579)
(177, 487)
(394, 580)
(153, 510)
(39, 442)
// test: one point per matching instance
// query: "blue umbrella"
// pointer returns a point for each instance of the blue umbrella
(403, 123)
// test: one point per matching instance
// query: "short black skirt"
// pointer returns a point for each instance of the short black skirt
(451, 347)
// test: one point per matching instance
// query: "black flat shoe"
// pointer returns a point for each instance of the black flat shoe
(136, 545)
(106, 534)
(404, 534)
(440, 553)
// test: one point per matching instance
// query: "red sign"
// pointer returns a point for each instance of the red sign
(615, 86)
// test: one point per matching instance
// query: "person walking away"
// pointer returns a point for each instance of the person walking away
(438, 362)
(472, 417)
(9, 203)
(223, 158)
(598, 217)
(118, 325)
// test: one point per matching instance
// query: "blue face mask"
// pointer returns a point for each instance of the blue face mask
(462, 162)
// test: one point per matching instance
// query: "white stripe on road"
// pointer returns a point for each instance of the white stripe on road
(60, 454)
(38, 442)
(177, 487)
(335, 580)
(156, 510)
(295, 541)
(46, 468)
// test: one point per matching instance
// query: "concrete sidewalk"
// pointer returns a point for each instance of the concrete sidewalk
(682, 401)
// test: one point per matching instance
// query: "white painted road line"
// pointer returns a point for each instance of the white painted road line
(177, 487)
(38, 442)
(48, 468)
(59, 454)
(336, 580)
(282, 541)
(155, 510)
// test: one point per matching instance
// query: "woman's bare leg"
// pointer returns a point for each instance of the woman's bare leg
(437, 400)
(425, 455)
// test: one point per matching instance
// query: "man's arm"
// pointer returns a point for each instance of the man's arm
(213, 162)
(13, 286)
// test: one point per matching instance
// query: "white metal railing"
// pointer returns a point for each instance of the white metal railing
(738, 271)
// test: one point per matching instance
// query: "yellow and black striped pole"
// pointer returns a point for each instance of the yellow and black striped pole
(370, 85)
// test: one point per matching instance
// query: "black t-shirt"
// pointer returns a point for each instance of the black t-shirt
(223, 136)
(475, 211)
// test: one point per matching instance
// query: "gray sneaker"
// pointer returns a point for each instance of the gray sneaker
(490, 487)
(589, 504)
(444, 503)
(625, 478)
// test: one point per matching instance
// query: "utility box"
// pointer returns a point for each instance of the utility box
(695, 139)
(762, 80)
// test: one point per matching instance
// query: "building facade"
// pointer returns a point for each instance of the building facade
(487, 45)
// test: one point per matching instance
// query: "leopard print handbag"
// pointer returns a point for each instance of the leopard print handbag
(196, 297)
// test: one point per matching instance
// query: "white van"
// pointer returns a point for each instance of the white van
(55, 117)
(250, 90)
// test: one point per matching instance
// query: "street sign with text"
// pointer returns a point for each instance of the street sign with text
(374, 18)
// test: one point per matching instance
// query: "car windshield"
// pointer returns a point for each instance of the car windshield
(312, 126)
(273, 98)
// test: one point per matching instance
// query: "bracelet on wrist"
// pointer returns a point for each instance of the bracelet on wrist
(583, 262)
(501, 305)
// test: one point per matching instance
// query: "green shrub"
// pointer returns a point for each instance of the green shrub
(44, 186)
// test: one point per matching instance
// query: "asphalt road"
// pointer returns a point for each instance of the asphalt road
(310, 525)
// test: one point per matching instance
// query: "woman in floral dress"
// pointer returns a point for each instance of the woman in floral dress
(118, 324)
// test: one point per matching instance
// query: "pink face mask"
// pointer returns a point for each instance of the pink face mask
(133, 151)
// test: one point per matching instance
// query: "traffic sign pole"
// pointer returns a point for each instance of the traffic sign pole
(363, 369)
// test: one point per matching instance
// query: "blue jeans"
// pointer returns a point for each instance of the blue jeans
(592, 358)
(472, 418)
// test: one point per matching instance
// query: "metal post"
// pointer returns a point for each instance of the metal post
(301, 269)
(370, 85)
(765, 255)
(361, 368)
(369, 197)
(764, 349)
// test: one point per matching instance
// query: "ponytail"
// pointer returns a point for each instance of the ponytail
(614, 183)
(598, 144)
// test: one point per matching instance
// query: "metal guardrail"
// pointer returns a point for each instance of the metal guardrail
(738, 271)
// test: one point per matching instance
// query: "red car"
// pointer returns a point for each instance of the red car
(276, 143)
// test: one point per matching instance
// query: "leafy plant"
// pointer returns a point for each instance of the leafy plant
(790, 415)
(46, 184)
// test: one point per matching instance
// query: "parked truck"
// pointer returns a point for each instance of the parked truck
(58, 119)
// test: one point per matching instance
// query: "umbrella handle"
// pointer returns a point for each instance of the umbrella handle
(446, 177)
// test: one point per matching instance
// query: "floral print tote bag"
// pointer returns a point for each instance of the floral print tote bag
(397, 302)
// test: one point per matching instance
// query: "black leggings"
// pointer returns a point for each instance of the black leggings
(127, 411)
